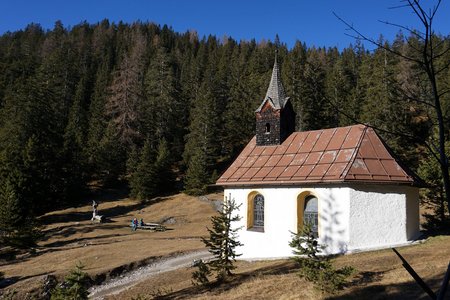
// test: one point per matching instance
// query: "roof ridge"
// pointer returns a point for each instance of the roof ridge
(358, 145)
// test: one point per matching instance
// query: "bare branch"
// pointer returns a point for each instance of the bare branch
(399, 6)
(435, 9)
(408, 97)
(417, 33)
(420, 13)
(372, 41)
(444, 92)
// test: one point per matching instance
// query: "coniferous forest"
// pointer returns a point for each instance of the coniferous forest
(162, 110)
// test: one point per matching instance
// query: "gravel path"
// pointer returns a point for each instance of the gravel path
(127, 280)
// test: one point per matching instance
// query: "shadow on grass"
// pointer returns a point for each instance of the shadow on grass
(109, 213)
(231, 283)
(64, 246)
(402, 290)
(366, 285)
(66, 231)
(11, 280)
(83, 241)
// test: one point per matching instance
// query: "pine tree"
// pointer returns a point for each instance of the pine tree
(162, 166)
(293, 68)
(238, 120)
(202, 147)
(111, 159)
(313, 267)
(316, 111)
(11, 211)
(164, 117)
(152, 173)
(200, 276)
(17, 224)
(74, 153)
(75, 286)
(222, 241)
(433, 197)
(197, 175)
(97, 120)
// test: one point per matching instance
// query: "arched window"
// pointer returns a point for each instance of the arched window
(258, 211)
(267, 127)
(310, 213)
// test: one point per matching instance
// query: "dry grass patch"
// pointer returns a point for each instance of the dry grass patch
(379, 275)
(252, 280)
(382, 276)
(70, 236)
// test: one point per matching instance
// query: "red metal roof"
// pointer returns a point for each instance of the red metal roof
(345, 154)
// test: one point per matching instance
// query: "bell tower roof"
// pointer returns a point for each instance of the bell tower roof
(275, 92)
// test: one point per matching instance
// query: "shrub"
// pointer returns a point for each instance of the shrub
(75, 285)
(200, 277)
(315, 268)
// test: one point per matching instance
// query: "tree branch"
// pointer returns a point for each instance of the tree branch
(418, 34)
(372, 41)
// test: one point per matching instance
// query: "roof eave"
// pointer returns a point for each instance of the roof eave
(328, 182)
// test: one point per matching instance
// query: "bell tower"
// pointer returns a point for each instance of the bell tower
(275, 117)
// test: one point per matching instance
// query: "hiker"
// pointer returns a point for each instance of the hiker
(94, 210)
(141, 222)
(134, 224)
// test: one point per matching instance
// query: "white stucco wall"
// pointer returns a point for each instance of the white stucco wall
(412, 214)
(382, 216)
(350, 218)
(280, 218)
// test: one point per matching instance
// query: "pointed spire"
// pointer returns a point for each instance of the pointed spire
(275, 92)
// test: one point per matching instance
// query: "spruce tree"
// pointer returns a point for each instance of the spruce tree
(433, 197)
(312, 266)
(197, 175)
(293, 68)
(152, 174)
(163, 110)
(97, 120)
(202, 147)
(17, 224)
(74, 153)
(74, 287)
(222, 241)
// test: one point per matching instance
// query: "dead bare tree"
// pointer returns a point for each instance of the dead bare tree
(424, 54)
(126, 92)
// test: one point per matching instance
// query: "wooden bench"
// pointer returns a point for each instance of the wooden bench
(151, 226)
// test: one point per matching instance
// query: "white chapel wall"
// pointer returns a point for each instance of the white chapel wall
(382, 216)
(412, 213)
(280, 217)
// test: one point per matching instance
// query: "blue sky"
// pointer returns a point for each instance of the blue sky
(309, 21)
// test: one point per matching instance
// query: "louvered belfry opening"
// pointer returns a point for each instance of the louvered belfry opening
(275, 112)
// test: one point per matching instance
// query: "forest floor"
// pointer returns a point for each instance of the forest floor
(111, 250)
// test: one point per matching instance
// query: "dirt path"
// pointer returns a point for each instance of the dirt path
(127, 280)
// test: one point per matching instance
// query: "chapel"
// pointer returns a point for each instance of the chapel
(344, 181)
